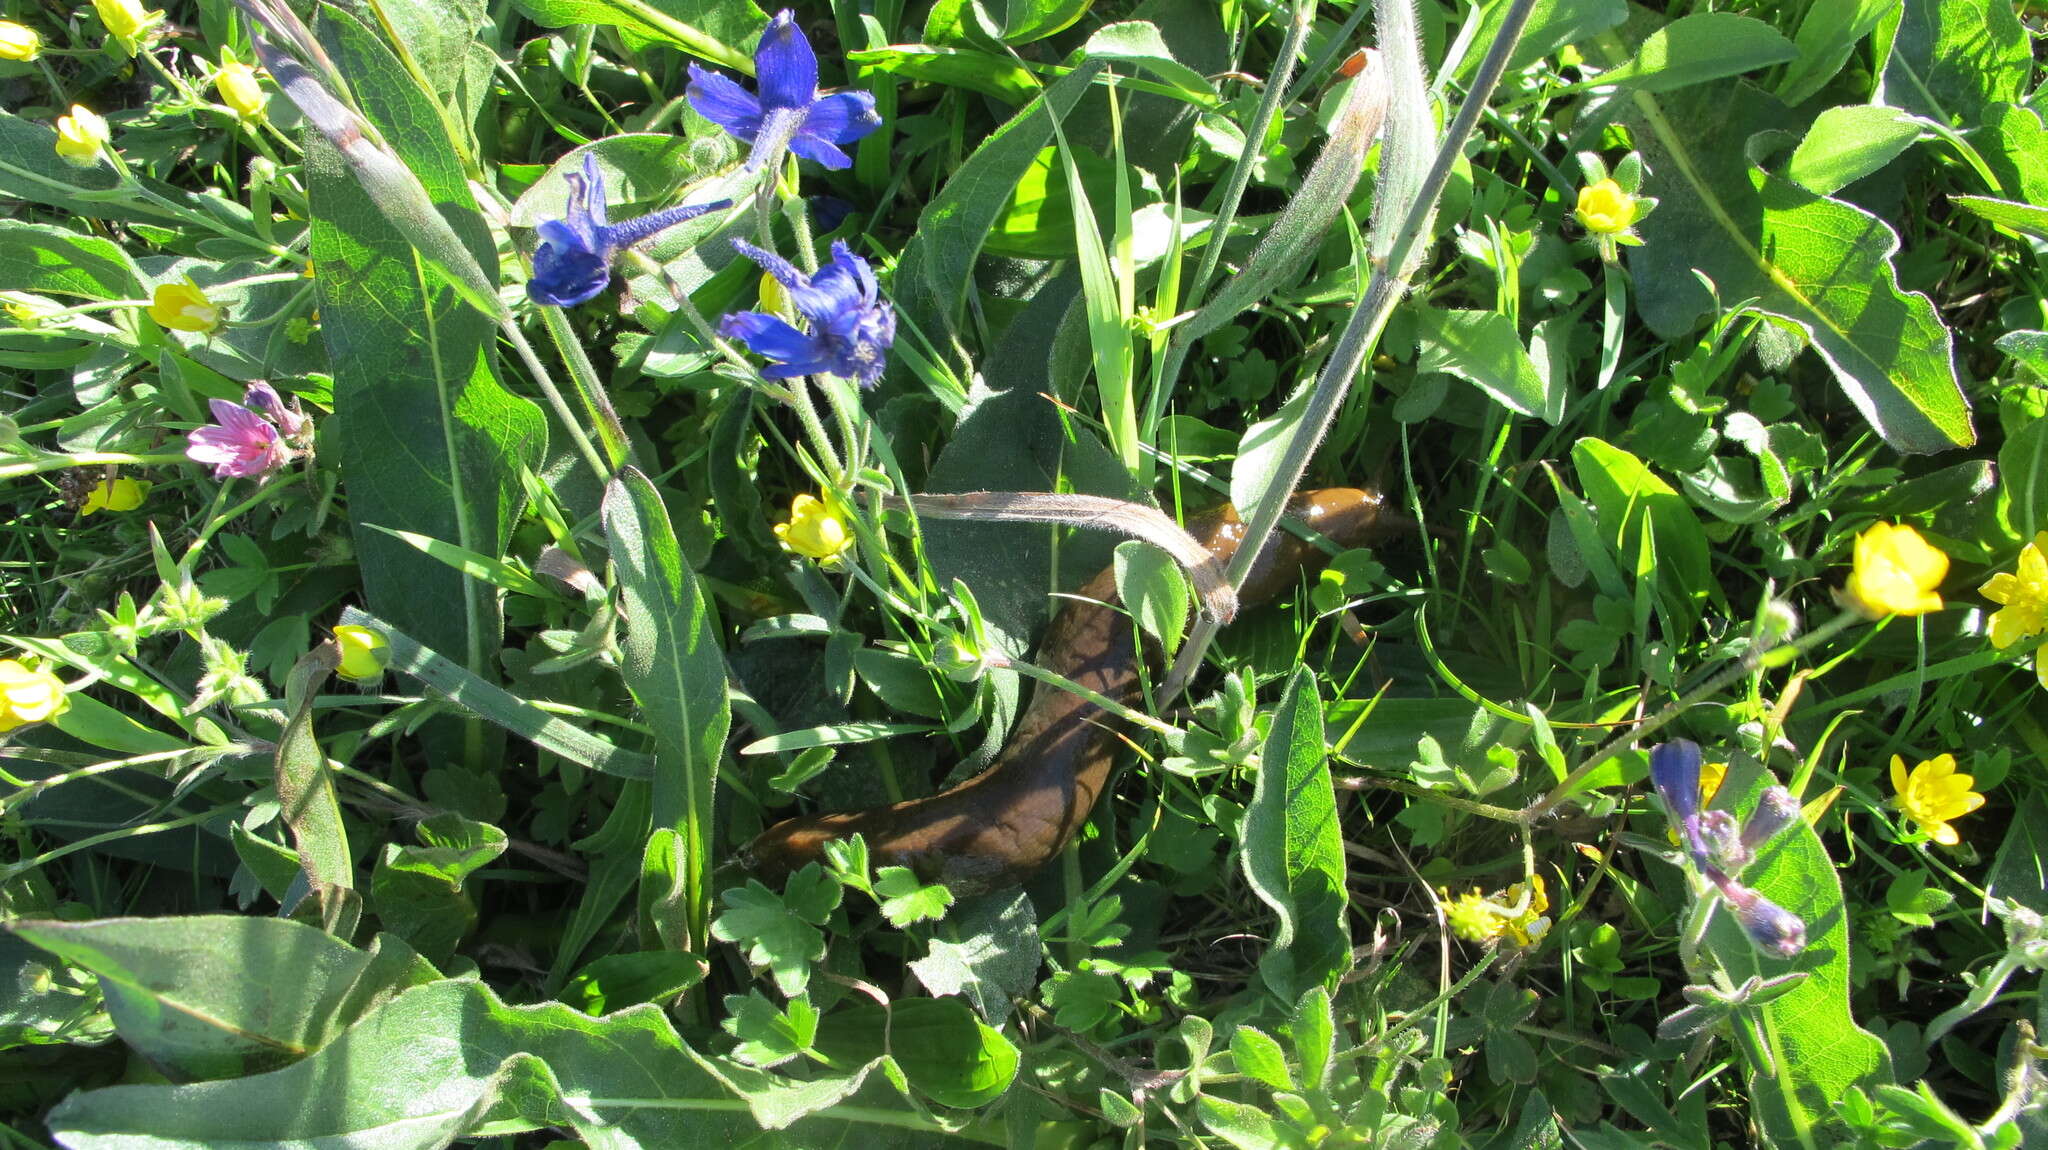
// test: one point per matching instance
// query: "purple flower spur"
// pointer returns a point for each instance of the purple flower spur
(574, 260)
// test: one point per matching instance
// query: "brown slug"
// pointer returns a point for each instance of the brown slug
(993, 830)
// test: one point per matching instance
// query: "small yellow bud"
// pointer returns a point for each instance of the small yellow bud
(774, 300)
(127, 22)
(364, 653)
(813, 530)
(184, 307)
(1605, 209)
(115, 495)
(80, 136)
(19, 42)
(29, 696)
(239, 89)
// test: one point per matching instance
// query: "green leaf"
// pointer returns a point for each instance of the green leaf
(966, 68)
(1245, 1127)
(721, 31)
(2027, 219)
(430, 441)
(771, 934)
(55, 262)
(1258, 1055)
(1293, 852)
(447, 1060)
(986, 951)
(1553, 24)
(1827, 34)
(305, 790)
(1948, 59)
(936, 268)
(1482, 348)
(1817, 1050)
(217, 996)
(1313, 1031)
(906, 899)
(1698, 48)
(949, 1055)
(617, 981)
(1627, 496)
(766, 1035)
(418, 889)
(673, 666)
(1820, 264)
(1153, 590)
(2023, 470)
(1843, 145)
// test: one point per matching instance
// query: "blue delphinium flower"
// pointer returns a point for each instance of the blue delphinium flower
(1718, 845)
(1675, 772)
(789, 112)
(574, 260)
(851, 325)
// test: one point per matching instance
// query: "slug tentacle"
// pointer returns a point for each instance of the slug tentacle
(993, 830)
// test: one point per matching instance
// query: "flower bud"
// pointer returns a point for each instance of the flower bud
(1605, 209)
(1723, 841)
(1774, 812)
(80, 136)
(184, 307)
(364, 653)
(238, 87)
(29, 696)
(961, 660)
(1773, 929)
(19, 43)
(127, 22)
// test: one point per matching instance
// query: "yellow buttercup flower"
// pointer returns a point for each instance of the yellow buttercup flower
(2024, 593)
(114, 495)
(364, 653)
(1472, 918)
(19, 42)
(29, 695)
(236, 82)
(1605, 209)
(184, 307)
(1895, 573)
(80, 136)
(813, 531)
(1933, 794)
(127, 22)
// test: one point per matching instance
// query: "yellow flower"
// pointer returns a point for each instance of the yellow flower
(114, 495)
(1528, 927)
(813, 530)
(1933, 794)
(1712, 775)
(1605, 209)
(126, 22)
(1472, 918)
(184, 307)
(2024, 594)
(364, 653)
(238, 88)
(29, 696)
(774, 300)
(1895, 573)
(19, 42)
(80, 136)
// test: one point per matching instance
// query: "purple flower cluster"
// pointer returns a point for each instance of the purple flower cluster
(250, 439)
(1720, 848)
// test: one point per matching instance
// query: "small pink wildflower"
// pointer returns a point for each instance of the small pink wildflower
(238, 444)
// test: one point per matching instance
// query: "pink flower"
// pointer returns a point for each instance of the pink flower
(264, 401)
(239, 443)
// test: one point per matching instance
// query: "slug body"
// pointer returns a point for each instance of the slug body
(993, 830)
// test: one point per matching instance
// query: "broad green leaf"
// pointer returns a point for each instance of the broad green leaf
(1245, 1127)
(305, 791)
(774, 935)
(217, 996)
(936, 268)
(906, 899)
(986, 951)
(2020, 871)
(1017, 21)
(1948, 59)
(2028, 219)
(673, 666)
(54, 261)
(1821, 264)
(949, 1055)
(1827, 34)
(1255, 472)
(1627, 496)
(437, 35)
(617, 981)
(721, 31)
(448, 1060)
(1817, 1049)
(430, 442)
(1698, 48)
(1552, 25)
(1843, 145)
(417, 890)
(2014, 145)
(1153, 590)
(1293, 850)
(2023, 469)
(1482, 348)
(1258, 1055)
(1139, 42)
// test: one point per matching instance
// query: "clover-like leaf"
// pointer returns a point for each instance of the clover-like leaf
(776, 936)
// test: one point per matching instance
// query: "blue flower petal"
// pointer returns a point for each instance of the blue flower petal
(785, 65)
(586, 201)
(808, 300)
(821, 150)
(767, 335)
(841, 117)
(724, 103)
